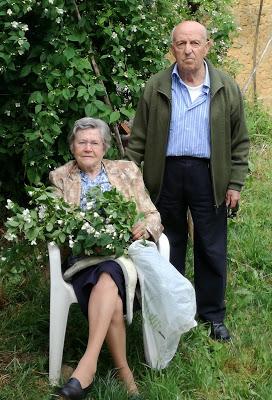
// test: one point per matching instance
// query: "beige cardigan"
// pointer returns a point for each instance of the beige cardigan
(125, 176)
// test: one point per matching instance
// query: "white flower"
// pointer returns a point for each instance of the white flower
(9, 11)
(114, 35)
(26, 216)
(60, 222)
(214, 30)
(90, 205)
(21, 42)
(7, 112)
(58, 20)
(33, 242)
(41, 212)
(59, 10)
(51, 1)
(110, 229)
(3, 258)
(25, 27)
(140, 7)
(21, 52)
(10, 204)
(96, 234)
(14, 24)
(32, 163)
(10, 236)
(96, 215)
(143, 16)
(71, 242)
(88, 228)
(30, 193)
(17, 105)
(52, 243)
(122, 49)
(28, 8)
(134, 28)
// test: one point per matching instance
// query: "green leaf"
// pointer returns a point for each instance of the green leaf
(69, 53)
(66, 93)
(38, 108)
(62, 237)
(126, 112)
(25, 70)
(90, 110)
(13, 223)
(49, 227)
(100, 105)
(114, 117)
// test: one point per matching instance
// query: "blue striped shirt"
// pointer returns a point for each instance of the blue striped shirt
(189, 133)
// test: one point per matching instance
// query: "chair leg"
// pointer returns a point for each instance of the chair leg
(59, 309)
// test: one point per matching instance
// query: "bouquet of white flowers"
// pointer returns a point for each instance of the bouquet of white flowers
(104, 228)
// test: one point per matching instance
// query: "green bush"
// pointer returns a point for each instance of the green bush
(48, 79)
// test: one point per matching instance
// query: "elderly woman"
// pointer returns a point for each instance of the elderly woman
(100, 289)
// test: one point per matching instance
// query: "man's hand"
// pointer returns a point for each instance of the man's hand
(139, 231)
(232, 198)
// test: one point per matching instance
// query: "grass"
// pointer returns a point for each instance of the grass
(201, 369)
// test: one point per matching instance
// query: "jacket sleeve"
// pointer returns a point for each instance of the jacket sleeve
(239, 144)
(145, 205)
(136, 146)
(56, 183)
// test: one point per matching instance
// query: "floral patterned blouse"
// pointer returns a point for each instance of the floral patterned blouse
(87, 183)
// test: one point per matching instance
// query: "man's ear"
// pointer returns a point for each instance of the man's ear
(210, 43)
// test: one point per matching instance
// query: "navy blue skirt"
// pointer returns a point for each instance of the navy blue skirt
(84, 281)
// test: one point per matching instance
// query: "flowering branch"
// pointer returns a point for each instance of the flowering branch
(104, 228)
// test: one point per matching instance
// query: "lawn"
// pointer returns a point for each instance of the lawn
(202, 369)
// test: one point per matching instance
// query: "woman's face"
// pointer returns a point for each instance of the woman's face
(88, 149)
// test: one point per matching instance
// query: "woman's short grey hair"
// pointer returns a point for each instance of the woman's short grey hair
(93, 123)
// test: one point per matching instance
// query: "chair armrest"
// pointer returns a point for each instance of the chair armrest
(54, 262)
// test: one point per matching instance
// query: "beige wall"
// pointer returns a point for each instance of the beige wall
(246, 14)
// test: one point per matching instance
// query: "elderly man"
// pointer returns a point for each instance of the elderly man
(190, 132)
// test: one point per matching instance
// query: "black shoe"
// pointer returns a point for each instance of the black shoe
(219, 332)
(72, 390)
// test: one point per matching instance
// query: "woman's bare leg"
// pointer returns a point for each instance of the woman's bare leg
(116, 341)
(101, 307)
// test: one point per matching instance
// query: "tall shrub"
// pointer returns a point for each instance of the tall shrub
(47, 49)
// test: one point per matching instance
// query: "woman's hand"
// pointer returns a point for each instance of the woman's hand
(139, 231)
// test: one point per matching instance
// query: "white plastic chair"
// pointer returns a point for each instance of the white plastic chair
(62, 295)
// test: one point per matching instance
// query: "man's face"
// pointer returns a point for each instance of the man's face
(190, 46)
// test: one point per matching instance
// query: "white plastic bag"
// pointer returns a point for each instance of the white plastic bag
(168, 303)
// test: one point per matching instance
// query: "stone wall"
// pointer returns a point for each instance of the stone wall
(246, 15)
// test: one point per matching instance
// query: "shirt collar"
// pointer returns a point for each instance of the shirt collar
(206, 83)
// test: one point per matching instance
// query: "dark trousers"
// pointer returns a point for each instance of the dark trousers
(187, 184)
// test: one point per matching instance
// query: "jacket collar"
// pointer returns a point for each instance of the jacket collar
(215, 77)
(165, 83)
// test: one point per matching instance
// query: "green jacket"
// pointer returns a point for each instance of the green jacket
(229, 137)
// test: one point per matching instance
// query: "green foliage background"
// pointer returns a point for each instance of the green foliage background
(48, 80)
